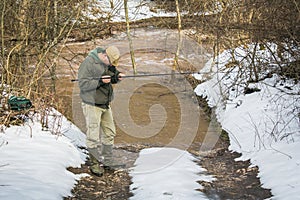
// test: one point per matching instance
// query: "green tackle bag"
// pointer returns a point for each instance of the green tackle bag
(19, 103)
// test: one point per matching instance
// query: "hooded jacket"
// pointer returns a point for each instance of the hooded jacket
(92, 90)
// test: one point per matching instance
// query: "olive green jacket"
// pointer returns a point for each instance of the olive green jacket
(92, 90)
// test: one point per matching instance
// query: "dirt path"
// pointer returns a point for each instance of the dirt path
(163, 112)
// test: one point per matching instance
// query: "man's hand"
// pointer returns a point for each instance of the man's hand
(106, 79)
(121, 75)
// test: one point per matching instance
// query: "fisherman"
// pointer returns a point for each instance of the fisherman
(96, 75)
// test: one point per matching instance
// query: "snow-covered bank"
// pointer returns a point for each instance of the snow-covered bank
(262, 125)
(33, 162)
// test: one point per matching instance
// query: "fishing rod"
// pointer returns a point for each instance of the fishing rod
(147, 75)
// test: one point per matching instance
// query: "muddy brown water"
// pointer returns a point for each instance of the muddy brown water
(159, 111)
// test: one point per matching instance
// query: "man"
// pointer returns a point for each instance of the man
(96, 75)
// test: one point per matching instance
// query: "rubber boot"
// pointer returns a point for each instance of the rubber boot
(108, 160)
(95, 168)
(95, 152)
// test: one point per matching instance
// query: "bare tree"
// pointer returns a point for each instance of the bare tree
(32, 37)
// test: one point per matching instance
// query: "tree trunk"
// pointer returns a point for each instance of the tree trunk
(175, 65)
(129, 38)
(2, 43)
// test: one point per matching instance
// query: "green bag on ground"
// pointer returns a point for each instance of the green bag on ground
(19, 103)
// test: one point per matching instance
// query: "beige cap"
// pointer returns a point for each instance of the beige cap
(114, 55)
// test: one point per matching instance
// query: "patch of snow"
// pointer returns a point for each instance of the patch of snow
(167, 173)
(33, 162)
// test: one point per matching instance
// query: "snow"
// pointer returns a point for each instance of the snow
(33, 162)
(263, 126)
(137, 9)
(167, 173)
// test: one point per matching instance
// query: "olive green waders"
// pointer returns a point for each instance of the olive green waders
(108, 159)
(95, 167)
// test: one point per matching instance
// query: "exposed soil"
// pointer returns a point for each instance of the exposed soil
(235, 179)
(112, 185)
